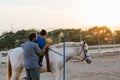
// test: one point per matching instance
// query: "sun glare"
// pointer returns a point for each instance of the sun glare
(102, 12)
(64, 14)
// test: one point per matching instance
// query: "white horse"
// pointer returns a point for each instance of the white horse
(15, 63)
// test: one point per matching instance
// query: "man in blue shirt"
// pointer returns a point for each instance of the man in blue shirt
(41, 41)
(31, 58)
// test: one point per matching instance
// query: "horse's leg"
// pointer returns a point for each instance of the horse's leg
(16, 73)
(55, 75)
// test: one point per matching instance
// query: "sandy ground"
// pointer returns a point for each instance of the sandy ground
(103, 67)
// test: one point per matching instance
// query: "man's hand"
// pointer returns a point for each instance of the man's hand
(43, 50)
(46, 46)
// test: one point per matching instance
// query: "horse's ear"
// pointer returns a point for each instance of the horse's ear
(81, 42)
(84, 42)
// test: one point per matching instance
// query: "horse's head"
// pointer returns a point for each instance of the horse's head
(83, 53)
(79, 48)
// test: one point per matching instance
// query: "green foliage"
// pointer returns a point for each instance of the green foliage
(22, 36)
(71, 35)
(92, 36)
(102, 33)
(7, 40)
(10, 39)
(117, 36)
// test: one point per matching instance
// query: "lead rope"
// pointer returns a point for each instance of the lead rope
(47, 60)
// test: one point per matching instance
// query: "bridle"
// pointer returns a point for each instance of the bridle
(84, 51)
(62, 55)
(81, 49)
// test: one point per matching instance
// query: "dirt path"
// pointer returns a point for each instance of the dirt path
(104, 67)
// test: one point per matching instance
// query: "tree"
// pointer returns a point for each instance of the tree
(103, 33)
(71, 35)
(10, 39)
(7, 40)
(117, 36)
(21, 36)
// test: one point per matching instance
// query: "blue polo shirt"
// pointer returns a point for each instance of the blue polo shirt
(40, 41)
(31, 52)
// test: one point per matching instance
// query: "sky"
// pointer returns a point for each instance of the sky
(54, 14)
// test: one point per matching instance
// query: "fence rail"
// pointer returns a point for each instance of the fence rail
(4, 53)
(92, 49)
(104, 48)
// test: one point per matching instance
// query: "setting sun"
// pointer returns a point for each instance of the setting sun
(54, 14)
(102, 12)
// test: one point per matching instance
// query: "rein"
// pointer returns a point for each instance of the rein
(78, 55)
(56, 52)
(61, 54)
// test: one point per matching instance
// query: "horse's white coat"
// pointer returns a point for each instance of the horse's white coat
(56, 60)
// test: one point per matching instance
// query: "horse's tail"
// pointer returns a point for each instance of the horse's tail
(9, 69)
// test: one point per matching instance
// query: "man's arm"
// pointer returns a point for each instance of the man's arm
(43, 50)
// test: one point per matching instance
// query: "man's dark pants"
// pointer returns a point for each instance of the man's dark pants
(33, 74)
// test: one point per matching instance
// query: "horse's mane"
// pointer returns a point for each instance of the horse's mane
(67, 44)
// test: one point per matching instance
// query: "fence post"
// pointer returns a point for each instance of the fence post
(63, 36)
(64, 60)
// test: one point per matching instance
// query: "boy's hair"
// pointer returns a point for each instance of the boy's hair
(43, 32)
(32, 36)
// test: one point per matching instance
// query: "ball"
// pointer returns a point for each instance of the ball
(49, 41)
